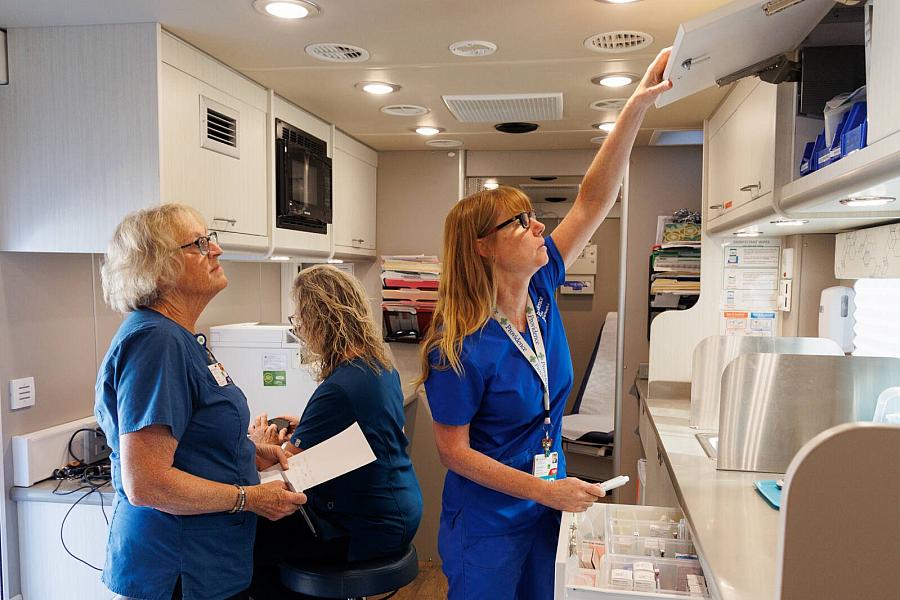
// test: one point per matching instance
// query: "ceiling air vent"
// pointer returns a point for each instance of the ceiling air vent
(473, 48)
(614, 104)
(219, 127)
(444, 143)
(339, 53)
(617, 42)
(500, 108)
(404, 110)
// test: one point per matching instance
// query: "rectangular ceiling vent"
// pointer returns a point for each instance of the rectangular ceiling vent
(219, 127)
(551, 192)
(503, 108)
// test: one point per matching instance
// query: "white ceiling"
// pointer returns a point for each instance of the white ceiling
(540, 49)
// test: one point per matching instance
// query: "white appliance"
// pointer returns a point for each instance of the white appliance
(836, 321)
(37, 454)
(264, 361)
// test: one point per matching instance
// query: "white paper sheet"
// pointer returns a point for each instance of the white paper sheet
(332, 458)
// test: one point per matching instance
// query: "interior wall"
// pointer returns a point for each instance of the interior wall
(813, 272)
(415, 192)
(661, 180)
(55, 327)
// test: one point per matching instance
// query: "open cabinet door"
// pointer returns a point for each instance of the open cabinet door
(734, 37)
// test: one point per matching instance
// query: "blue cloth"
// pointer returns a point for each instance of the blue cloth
(500, 396)
(155, 373)
(512, 566)
(378, 506)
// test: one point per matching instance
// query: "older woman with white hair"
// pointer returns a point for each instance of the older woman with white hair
(184, 470)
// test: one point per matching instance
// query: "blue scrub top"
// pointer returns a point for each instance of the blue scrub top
(500, 396)
(378, 506)
(155, 373)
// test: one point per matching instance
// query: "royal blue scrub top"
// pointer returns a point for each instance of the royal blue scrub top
(500, 396)
(379, 505)
(155, 373)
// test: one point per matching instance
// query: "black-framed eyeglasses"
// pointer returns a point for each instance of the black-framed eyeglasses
(524, 218)
(202, 243)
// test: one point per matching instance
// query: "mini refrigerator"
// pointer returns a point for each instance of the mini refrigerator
(264, 361)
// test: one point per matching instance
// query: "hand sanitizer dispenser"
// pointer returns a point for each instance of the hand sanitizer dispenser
(836, 308)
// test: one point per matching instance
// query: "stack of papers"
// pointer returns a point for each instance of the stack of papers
(621, 579)
(409, 296)
(676, 257)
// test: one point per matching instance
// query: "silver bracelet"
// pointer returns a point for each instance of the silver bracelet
(241, 501)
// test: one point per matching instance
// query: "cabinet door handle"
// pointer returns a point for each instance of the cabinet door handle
(750, 187)
(360, 240)
(231, 222)
(715, 207)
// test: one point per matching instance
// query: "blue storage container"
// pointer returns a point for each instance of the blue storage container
(853, 136)
(806, 162)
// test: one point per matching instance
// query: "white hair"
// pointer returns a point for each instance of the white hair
(140, 262)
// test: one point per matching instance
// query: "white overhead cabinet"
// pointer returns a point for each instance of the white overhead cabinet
(100, 121)
(757, 137)
(355, 170)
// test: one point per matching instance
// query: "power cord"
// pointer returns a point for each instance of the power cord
(92, 476)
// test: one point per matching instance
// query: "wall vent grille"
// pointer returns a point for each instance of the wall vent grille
(219, 127)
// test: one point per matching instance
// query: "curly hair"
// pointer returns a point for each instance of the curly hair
(140, 263)
(335, 319)
(467, 291)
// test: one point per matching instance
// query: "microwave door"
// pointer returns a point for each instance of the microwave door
(306, 184)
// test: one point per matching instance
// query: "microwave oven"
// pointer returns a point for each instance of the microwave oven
(302, 180)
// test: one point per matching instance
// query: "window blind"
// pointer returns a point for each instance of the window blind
(877, 329)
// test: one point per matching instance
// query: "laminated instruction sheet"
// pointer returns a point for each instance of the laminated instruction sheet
(750, 287)
(332, 458)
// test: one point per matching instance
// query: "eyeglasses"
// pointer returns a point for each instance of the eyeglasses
(524, 219)
(203, 243)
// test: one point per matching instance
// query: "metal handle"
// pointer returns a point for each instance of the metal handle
(751, 186)
(360, 240)
(715, 207)
(687, 63)
(231, 222)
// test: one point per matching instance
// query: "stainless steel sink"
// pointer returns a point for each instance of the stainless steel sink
(710, 443)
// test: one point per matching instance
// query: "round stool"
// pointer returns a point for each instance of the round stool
(352, 580)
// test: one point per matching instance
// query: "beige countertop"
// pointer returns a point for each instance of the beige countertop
(735, 531)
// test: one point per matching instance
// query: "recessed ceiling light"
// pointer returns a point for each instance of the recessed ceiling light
(491, 185)
(286, 9)
(618, 1)
(790, 222)
(473, 48)
(614, 80)
(335, 261)
(748, 233)
(598, 140)
(867, 201)
(379, 88)
(606, 126)
(428, 130)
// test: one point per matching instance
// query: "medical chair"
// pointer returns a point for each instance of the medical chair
(589, 430)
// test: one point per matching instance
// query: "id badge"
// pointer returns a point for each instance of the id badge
(545, 466)
(219, 374)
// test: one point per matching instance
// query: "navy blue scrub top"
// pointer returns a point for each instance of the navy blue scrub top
(378, 506)
(155, 373)
(500, 396)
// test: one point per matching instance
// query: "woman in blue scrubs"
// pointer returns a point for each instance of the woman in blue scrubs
(184, 470)
(497, 372)
(370, 512)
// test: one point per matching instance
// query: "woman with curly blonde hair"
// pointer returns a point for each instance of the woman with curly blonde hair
(373, 511)
(497, 372)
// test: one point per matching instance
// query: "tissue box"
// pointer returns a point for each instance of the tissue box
(681, 232)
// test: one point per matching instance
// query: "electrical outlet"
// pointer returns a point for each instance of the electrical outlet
(94, 447)
(21, 393)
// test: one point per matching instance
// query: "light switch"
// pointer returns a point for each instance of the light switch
(21, 393)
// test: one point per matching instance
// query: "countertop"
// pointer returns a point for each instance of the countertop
(735, 531)
(68, 493)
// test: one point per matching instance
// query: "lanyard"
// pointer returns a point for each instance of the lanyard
(538, 360)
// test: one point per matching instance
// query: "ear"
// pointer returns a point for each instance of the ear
(483, 248)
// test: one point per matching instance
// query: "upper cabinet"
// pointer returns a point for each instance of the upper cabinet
(355, 170)
(763, 128)
(100, 121)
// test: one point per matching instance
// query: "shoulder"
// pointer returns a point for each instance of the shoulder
(479, 350)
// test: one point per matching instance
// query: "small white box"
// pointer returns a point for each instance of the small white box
(37, 454)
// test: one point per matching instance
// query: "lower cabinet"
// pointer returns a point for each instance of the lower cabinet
(623, 552)
(47, 570)
(658, 488)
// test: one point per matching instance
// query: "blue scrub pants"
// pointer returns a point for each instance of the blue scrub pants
(512, 566)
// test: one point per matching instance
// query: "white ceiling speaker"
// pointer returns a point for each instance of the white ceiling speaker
(444, 143)
(618, 42)
(404, 110)
(473, 48)
(615, 104)
(338, 53)
(501, 108)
